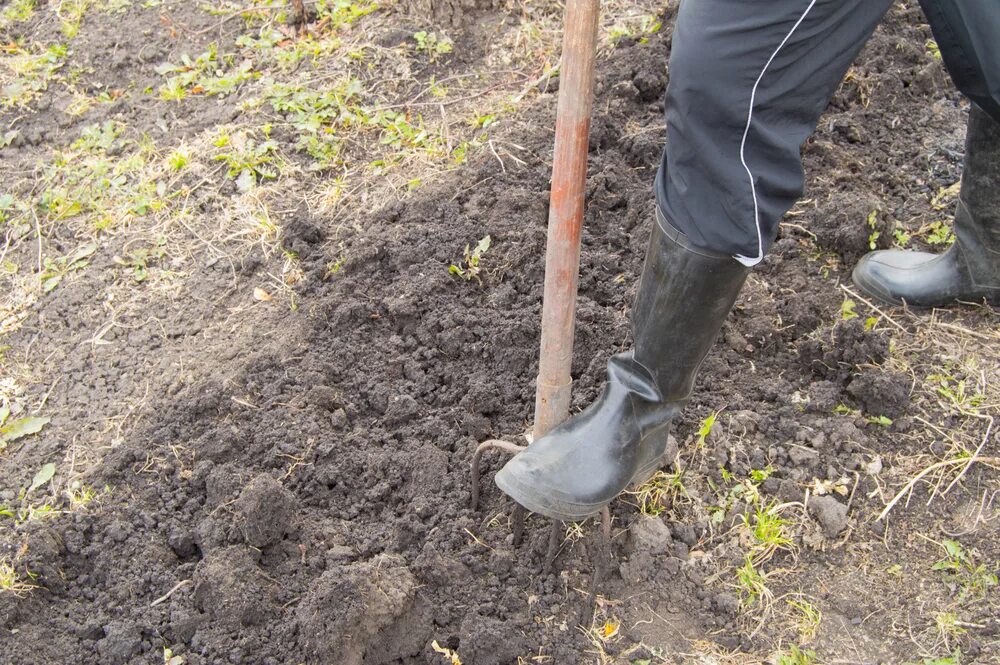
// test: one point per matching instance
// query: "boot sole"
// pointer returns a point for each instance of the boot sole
(565, 511)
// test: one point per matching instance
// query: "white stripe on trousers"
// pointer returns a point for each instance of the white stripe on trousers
(745, 260)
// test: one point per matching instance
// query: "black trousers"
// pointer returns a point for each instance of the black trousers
(748, 82)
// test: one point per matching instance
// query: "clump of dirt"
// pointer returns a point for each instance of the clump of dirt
(881, 392)
(264, 511)
(231, 589)
(348, 611)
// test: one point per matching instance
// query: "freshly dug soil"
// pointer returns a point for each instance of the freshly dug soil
(306, 473)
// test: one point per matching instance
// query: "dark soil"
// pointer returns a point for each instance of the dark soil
(307, 472)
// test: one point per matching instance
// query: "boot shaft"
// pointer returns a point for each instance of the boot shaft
(977, 217)
(980, 189)
(685, 294)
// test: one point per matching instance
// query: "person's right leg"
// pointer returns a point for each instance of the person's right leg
(970, 269)
(748, 80)
(968, 34)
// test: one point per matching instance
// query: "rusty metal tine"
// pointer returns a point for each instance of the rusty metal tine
(517, 523)
(602, 564)
(477, 458)
(555, 531)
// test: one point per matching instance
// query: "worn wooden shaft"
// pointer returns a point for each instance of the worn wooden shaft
(569, 177)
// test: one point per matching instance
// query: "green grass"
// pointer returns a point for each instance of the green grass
(16, 12)
(797, 656)
(661, 492)
(12, 581)
(769, 531)
(960, 566)
(751, 584)
(807, 618)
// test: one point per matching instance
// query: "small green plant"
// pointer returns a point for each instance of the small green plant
(938, 233)
(881, 421)
(959, 566)
(207, 74)
(138, 261)
(948, 626)
(468, 268)
(80, 496)
(643, 28)
(797, 656)
(249, 161)
(956, 392)
(769, 532)
(11, 580)
(660, 492)
(954, 659)
(807, 618)
(751, 584)
(875, 234)
(98, 138)
(170, 659)
(55, 269)
(32, 70)
(433, 45)
(848, 310)
(18, 428)
(933, 49)
(16, 12)
(705, 429)
(178, 159)
(336, 14)
(901, 237)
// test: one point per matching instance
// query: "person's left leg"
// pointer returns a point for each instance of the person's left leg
(742, 75)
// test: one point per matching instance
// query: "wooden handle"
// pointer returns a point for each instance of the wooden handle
(569, 179)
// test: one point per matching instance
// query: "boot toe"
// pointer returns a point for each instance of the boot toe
(529, 483)
(889, 276)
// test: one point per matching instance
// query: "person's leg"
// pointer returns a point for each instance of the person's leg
(744, 94)
(970, 269)
(968, 34)
(748, 82)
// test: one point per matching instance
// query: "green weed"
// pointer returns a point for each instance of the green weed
(432, 45)
(468, 268)
(769, 532)
(208, 74)
(705, 429)
(954, 659)
(875, 234)
(337, 14)
(642, 29)
(956, 392)
(797, 656)
(901, 237)
(662, 491)
(937, 233)
(12, 582)
(16, 12)
(248, 161)
(138, 261)
(808, 618)
(12, 430)
(751, 584)
(959, 566)
(933, 49)
(28, 72)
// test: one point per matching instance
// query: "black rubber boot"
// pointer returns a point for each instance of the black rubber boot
(581, 465)
(970, 269)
